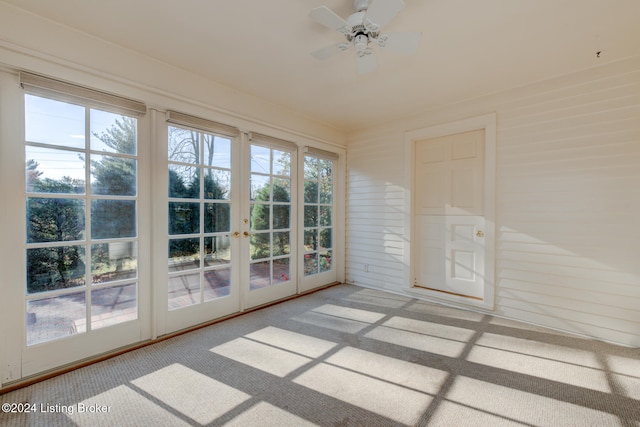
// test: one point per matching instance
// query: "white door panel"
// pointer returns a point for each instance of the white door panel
(430, 251)
(450, 254)
(465, 255)
(449, 214)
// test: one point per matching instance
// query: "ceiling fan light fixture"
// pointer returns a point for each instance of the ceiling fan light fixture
(360, 42)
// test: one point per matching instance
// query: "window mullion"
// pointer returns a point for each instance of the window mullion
(87, 206)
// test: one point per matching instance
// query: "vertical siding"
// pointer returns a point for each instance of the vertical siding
(567, 202)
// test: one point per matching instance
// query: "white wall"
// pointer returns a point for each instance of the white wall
(567, 201)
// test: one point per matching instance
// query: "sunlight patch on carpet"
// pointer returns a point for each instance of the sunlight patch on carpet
(191, 393)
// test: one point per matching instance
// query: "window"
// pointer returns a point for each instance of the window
(270, 216)
(318, 214)
(81, 222)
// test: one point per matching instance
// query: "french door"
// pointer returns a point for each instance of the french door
(270, 214)
(230, 221)
(197, 207)
(122, 223)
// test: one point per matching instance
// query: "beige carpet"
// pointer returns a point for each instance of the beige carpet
(349, 356)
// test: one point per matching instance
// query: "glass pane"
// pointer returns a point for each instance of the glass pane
(281, 190)
(325, 170)
(113, 176)
(310, 168)
(260, 188)
(310, 240)
(184, 290)
(260, 275)
(310, 192)
(184, 182)
(184, 218)
(310, 264)
(54, 122)
(114, 261)
(55, 268)
(326, 191)
(217, 151)
(311, 216)
(260, 217)
(260, 159)
(260, 245)
(281, 218)
(217, 250)
(217, 184)
(325, 238)
(54, 220)
(325, 216)
(217, 217)
(281, 163)
(54, 171)
(110, 306)
(184, 254)
(112, 219)
(57, 317)
(113, 133)
(281, 272)
(281, 245)
(184, 145)
(325, 261)
(217, 283)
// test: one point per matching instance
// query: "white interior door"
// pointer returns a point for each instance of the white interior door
(449, 255)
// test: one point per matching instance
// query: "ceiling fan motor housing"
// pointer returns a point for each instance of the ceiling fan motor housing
(360, 5)
(357, 32)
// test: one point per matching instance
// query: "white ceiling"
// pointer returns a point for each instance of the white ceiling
(469, 48)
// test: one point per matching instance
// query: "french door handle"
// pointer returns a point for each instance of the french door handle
(236, 234)
(245, 234)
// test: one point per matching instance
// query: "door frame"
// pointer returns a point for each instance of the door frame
(487, 123)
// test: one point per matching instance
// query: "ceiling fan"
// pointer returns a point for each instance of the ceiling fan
(363, 29)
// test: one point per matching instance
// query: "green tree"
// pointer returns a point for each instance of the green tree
(53, 219)
(260, 220)
(115, 176)
(263, 219)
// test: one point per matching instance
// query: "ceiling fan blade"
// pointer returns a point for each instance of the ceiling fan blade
(381, 12)
(330, 51)
(325, 16)
(366, 63)
(400, 42)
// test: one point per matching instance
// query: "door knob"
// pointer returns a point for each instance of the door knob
(479, 233)
(236, 234)
(245, 234)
